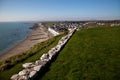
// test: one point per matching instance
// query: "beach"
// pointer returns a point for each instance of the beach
(37, 35)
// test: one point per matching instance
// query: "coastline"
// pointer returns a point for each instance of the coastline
(37, 35)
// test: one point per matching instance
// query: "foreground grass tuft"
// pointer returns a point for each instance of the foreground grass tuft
(91, 54)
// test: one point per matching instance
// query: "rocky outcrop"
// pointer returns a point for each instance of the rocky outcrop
(33, 68)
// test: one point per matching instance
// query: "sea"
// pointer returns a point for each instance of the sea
(12, 33)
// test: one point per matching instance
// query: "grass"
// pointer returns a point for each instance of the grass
(91, 54)
(38, 50)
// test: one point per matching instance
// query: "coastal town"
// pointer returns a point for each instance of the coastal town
(57, 27)
(62, 26)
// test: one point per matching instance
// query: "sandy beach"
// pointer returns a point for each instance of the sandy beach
(36, 36)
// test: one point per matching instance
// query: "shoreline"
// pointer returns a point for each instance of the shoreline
(37, 35)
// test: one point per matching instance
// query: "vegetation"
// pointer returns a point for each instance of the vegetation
(91, 54)
(14, 64)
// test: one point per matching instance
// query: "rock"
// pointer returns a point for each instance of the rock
(28, 65)
(43, 63)
(24, 72)
(58, 47)
(23, 77)
(53, 51)
(44, 57)
(61, 43)
(15, 77)
(21, 73)
(38, 62)
(32, 74)
(51, 55)
(37, 68)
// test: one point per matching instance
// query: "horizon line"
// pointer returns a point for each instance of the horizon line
(61, 20)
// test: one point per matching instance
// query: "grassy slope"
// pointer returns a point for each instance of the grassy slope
(91, 54)
(5, 75)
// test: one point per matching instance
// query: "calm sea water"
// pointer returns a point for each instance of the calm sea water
(12, 33)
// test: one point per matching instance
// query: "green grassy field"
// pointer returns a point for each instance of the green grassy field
(91, 54)
(36, 52)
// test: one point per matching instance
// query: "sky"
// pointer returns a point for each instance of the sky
(47, 10)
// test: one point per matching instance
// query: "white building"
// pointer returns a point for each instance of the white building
(55, 33)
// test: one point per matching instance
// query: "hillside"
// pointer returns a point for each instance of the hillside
(91, 54)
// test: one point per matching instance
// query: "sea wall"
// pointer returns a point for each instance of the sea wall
(32, 69)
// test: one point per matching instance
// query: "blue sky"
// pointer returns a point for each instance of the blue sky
(27, 10)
